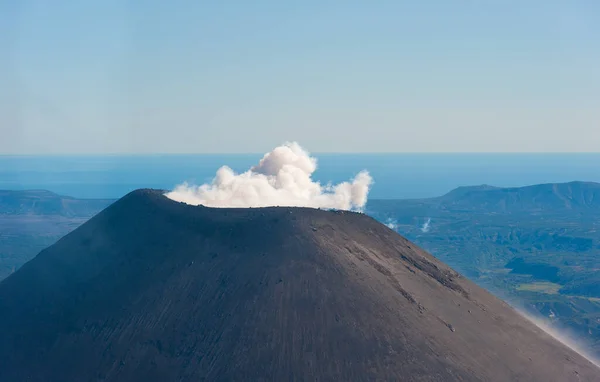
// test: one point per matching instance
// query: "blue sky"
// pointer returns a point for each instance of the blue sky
(341, 76)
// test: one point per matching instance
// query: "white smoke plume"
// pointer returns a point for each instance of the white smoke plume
(391, 223)
(281, 178)
(425, 227)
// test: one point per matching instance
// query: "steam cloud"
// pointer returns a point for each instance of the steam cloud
(281, 178)
(391, 223)
(425, 227)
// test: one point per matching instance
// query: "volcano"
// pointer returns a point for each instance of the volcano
(155, 290)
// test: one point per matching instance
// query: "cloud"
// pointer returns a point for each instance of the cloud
(281, 178)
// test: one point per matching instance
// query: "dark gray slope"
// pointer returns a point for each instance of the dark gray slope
(154, 290)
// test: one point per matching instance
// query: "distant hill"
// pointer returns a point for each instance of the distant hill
(155, 290)
(42, 202)
(576, 196)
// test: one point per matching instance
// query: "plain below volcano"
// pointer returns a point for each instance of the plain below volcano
(155, 290)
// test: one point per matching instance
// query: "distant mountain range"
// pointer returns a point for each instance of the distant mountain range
(580, 197)
(576, 196)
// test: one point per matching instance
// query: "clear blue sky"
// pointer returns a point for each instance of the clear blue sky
(118, 76)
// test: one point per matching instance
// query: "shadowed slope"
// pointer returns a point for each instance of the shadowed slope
(154, 290)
